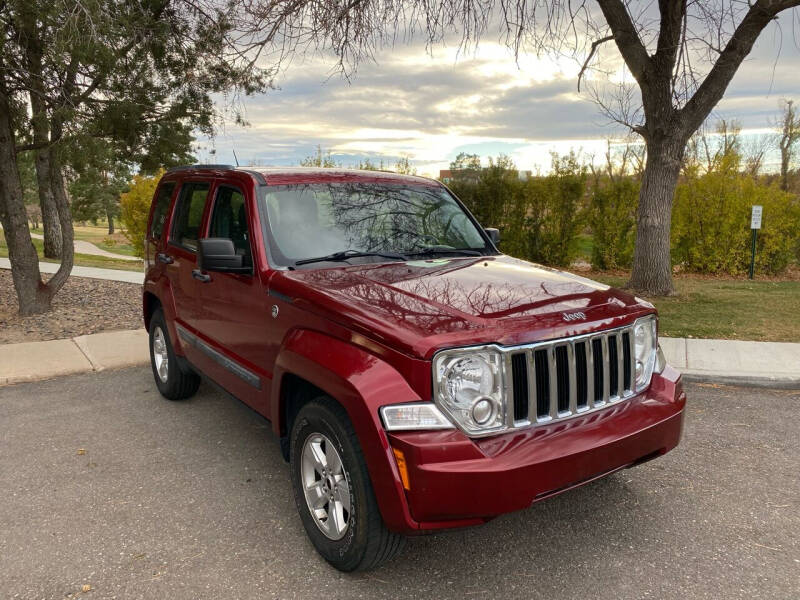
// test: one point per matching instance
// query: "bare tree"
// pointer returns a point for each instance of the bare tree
(681, 57)
(789, 135)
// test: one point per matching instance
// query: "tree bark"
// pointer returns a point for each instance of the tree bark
(652, 266)
(32, 295)
(52, 230)
(41, 139)
(110, 218)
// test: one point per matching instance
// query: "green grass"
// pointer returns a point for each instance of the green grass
(727, 308)
(585, 246)
(81, 260)
(98, 235)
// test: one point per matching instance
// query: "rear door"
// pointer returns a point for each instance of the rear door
(154, 243)
(181, 251)
(233, 312)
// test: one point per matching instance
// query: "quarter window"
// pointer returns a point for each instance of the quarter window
(160, 210)
(189, 214)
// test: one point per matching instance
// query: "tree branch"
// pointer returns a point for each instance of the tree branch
(669, 36)
(593, 49)
(738, 47)
(627, 39)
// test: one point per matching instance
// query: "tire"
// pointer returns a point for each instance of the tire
(350, 540)
(174, 382)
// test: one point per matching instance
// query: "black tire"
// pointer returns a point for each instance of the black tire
(179, 383)
(366, 542)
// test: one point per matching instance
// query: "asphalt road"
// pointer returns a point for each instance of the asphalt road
(104, 484)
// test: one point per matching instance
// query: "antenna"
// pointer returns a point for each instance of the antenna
(235, 157)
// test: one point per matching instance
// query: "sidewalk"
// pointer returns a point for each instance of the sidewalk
(31, 361)
(766, 364)
(84, 247)
(92, 272)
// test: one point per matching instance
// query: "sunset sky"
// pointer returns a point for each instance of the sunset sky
(431, 105)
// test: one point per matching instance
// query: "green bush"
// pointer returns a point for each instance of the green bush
(554, 212)
(612, 219)
(711, 222)
(135, 209)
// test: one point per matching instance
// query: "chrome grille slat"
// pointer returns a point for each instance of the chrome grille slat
(550, 370)
(589, 374)
(553, 374)
(606, 372)
(573, 389)
(531, 386)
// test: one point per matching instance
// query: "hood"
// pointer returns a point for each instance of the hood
(422, 306)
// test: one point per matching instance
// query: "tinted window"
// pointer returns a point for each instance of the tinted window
(160, 210)
(189, 214)
(310, 220)
(229, 220)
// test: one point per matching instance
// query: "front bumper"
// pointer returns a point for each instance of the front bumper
(456, 481)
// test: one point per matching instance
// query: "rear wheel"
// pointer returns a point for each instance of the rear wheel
(174, 382)
(333, 492)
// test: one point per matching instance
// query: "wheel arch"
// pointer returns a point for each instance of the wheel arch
(311, 363)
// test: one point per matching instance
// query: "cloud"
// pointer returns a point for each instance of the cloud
(409, 103)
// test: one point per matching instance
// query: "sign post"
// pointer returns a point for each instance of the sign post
(755, 225)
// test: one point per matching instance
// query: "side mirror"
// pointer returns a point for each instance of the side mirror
(219, 254)
(494, 234)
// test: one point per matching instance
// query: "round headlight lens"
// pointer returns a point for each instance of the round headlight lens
(482, 410)
(469, 389)
(467, 378)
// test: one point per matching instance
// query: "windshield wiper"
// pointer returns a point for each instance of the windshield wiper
(347, 254)
(445, 250)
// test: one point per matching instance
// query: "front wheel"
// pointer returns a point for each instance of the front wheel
(333, 492)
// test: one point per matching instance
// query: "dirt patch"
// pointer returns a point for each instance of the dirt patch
(81, 307)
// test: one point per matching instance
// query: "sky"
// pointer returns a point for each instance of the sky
(430, 105)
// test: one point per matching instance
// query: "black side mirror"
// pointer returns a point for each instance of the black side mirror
(219, 254)
(494, 234)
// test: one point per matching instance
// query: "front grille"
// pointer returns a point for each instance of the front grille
(561, 378)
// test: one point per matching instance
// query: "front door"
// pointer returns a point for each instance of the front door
(233, 310)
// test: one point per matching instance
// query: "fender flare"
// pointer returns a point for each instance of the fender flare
(361, 382)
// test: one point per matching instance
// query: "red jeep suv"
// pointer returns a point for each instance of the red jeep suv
(417, 378)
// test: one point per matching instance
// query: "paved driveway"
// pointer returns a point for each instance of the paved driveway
(192, 500)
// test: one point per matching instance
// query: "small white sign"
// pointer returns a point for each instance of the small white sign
(755, 218)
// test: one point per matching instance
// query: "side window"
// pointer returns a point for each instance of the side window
(229, 220)
(189, 214)
(160, 210)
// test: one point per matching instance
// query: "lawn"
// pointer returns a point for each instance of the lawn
(81, 260)
(741, 309)
(98, 235)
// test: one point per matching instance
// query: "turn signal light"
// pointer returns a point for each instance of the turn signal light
(400, 458)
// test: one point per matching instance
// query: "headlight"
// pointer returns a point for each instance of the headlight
(417, 415)
(645, 350)
(468, 387)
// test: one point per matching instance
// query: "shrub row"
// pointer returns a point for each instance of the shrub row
(541, 218)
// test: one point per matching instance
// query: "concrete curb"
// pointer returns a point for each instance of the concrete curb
(34, 361)
(757, 364)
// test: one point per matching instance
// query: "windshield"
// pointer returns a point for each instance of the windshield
(316, 220)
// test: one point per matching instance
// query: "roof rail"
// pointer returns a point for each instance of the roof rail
(185, 167)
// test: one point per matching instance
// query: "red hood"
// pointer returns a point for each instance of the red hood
(421, 306)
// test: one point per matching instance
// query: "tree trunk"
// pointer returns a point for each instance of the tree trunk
(52, 230)
(32, 295)
(652, 268)
(41, 138)
(64, 218)
(110, 218)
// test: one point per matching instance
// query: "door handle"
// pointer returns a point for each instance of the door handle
(164, 258)
(200, 276)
